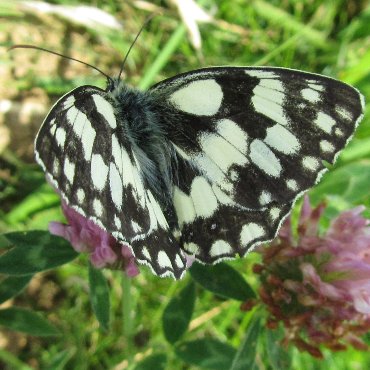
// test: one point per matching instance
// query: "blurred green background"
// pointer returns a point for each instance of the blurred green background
(327, 37)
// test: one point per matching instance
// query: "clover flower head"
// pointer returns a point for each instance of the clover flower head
(318, 286)
(85, 236)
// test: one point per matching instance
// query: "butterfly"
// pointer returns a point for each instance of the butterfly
(207, 163)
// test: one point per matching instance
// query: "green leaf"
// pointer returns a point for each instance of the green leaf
(156, 361)
(59, 361)
(279, 358)
(222, 280)
(43, 197)
(4, 242)
(207, 353)
(246, 354)
(162, 58)
(26, 321)
(351, 182)
(99, 296)
(9, 361)
(35, 251)
(178, 312)
(13, 285)
(357, 149)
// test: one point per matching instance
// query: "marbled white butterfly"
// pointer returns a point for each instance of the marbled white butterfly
(207, 163)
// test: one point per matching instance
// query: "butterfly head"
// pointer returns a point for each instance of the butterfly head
(113, 83)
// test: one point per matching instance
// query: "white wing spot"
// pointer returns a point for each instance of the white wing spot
(311, 95)
(60, 136)
(326, 146)
(154, 206)
(262, 156)
(338, 132)
(123, 163)
(292, 184)
(179, 262)
(273, 84)
(98, 207)
(116, 188)
(260, 73)
(184, 206)
(209, 168)
(221, 151)
(274, 213)
(233, 175)
(314, 85)
(136, 227)
(344, 113)
(146, 253)
(80, 195)
(176, 234)
(99, 171)
(231, 132)
(205, 202)
(191, 248)
(269, 109)
(250, 232)
(83, 129)
(88, 137)
(69, 170)
(268, 98)
(265, 198)
(202, 98)
(219, 248)
(181, 152)
(324, 122)
(281, 139)
(163, 260)
(53, 127)
(310, 163)
(69, 102)
(117, 222)
(77, 119)
(222, 197)
(105, 109)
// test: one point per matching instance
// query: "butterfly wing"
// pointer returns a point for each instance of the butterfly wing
(91, 163)
(249, 141)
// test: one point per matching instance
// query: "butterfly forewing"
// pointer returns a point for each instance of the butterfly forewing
(250, 141)
(89, 160)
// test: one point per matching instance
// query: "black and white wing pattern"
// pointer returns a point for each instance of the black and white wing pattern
(87, 156)
(207, 163)
(249, 141)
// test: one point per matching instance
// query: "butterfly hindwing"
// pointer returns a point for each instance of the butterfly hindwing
(212, 226)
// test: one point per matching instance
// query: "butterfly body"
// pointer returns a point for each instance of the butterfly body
(207, 163)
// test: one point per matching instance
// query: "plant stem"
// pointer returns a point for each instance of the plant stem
(163, 57)
(126, 307)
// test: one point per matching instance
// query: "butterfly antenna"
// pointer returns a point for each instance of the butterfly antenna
(20, 46)
(133, 43)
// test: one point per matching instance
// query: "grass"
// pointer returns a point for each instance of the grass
(322, 37)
